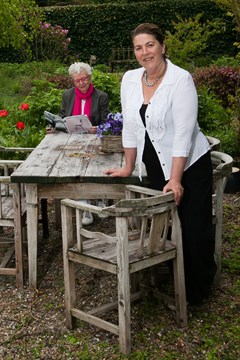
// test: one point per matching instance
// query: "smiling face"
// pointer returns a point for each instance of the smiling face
(82, 81)
(148, 51)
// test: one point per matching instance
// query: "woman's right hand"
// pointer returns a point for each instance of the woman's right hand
(130, 158)
(117, 172)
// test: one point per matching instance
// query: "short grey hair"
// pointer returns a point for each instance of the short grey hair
(78, 67)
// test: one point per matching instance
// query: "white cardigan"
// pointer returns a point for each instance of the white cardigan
(171, 118)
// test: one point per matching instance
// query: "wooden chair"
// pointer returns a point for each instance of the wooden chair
(8, 218)
(222, 168)
(149, 213)
(20, 152)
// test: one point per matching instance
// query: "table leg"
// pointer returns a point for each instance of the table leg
(32, 232)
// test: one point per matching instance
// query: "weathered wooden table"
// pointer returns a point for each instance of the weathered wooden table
(66, 166)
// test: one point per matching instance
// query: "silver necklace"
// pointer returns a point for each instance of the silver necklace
(156, 80)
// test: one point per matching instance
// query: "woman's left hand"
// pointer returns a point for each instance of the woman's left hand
(177, 189)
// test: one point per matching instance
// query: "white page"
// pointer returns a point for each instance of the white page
(77, 124)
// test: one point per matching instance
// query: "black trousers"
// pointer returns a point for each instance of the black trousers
(195, 213)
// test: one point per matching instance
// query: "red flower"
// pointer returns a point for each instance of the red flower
(3, 113)
(24, 106)
(20, 125)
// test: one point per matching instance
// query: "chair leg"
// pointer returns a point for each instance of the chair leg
(180, 294)
(178, 272)
(69, 273)
(18, 235)
(123, 286)
(218, 228)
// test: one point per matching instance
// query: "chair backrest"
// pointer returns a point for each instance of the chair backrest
(14, 152)
(6, 204)
(214, 143)
(7, 167)
(149, 213)
(222, 164)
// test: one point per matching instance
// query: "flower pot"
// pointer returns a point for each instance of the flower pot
(111, 143)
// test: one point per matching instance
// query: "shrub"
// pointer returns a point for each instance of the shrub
(44, 96)
(227, 61)
(109, 83)
(51, 43)
(217, 121)
(222, 81)
(61, 81)
(188, 43)
(17, 127)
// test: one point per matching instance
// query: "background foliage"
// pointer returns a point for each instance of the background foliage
(40, 84)
(19, 22)
(217, 88)
(97, 28)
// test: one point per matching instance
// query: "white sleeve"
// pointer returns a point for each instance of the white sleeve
(128, 133)
(184, 112)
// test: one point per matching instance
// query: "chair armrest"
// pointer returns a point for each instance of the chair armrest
(5, 179)
(75, 204)
(223, 163)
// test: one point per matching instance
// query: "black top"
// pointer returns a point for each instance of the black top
(150, 159)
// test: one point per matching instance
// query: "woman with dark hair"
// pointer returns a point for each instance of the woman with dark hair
(160, 128)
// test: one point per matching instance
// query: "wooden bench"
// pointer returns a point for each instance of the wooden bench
(120, 56)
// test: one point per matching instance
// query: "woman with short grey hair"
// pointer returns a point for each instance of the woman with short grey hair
(78, 67)
(85, 99)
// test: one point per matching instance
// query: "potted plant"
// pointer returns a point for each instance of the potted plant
(110, 133)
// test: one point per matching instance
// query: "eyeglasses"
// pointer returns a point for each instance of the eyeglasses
(81, 80)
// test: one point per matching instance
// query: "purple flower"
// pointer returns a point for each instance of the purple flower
(113, 125)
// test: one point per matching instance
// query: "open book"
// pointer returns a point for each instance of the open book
(79, 124)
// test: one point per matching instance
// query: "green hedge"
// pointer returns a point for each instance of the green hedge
(96, 29)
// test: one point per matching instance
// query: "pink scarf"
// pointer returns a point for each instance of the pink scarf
(77, 107)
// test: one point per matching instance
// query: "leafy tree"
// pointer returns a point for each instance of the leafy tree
(187, 45)
(233, 7)
(19, 21)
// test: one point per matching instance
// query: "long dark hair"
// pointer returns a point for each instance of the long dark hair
(151, 29)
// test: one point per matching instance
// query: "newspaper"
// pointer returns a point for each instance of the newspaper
(79, 124)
